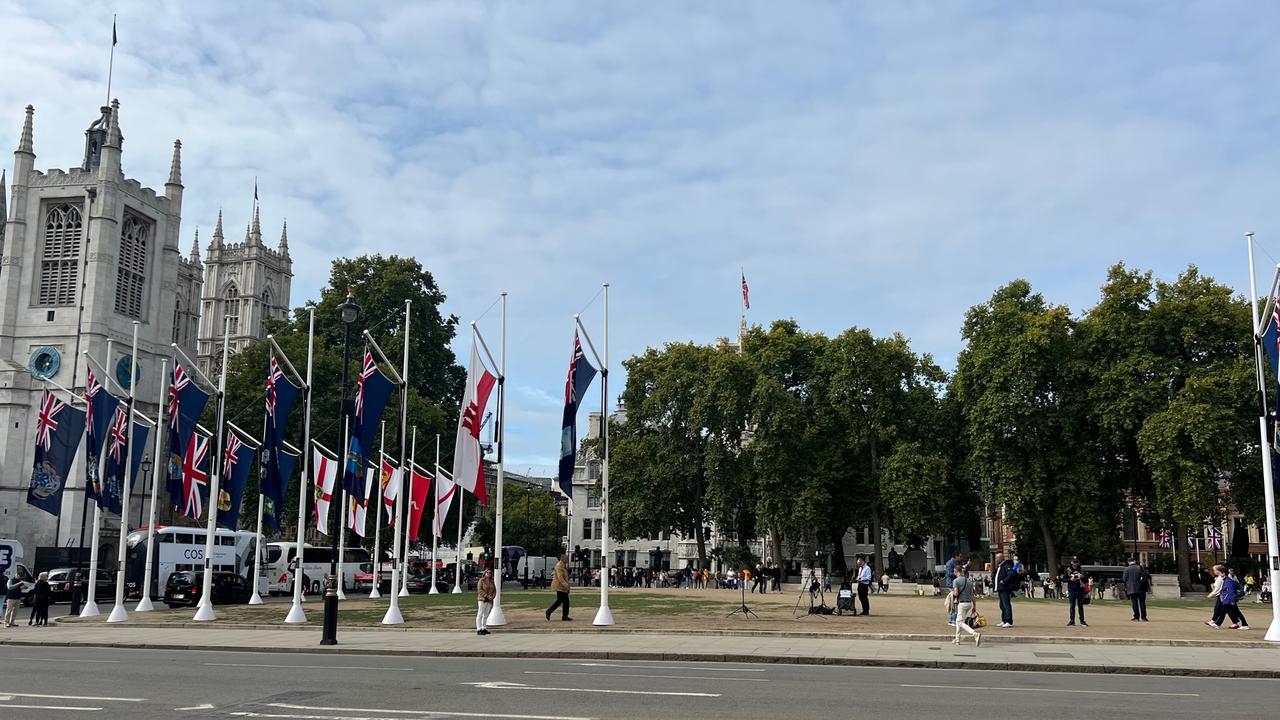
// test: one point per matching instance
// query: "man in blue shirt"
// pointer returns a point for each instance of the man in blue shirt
(950, 579)
(864, 585)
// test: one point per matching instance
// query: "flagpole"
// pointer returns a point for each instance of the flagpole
(342, 539)
(393, 616)
(254, 597)
(90, 194)
(496, 616)
(1268, 485)
(111, 64)
(435, 518)
(204, 613)
(145, 605)
(90, 608)
(604, 616)
(457, 567)
(119, 613)
(376, 567)
(296, 613)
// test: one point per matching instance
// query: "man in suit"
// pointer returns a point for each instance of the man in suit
(864, 585)
(1137, 583)
(560, 584)
(1005, 580)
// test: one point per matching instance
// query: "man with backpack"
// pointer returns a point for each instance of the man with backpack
(1137, 583)
(1006, 580)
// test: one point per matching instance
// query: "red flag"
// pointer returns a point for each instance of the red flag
(468, 470)
(420, 485)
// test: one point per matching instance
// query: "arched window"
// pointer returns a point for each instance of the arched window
(177, 319)
(231, 307)
(60, 256)
(266, 303)
(131, 272)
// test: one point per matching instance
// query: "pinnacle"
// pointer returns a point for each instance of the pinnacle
(175, 166)
(25, 143)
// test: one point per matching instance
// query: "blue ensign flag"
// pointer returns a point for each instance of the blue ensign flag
(58, 430)
(280, 396)
(236, 461)
(581, 373)
(186, 404)
(372, 393)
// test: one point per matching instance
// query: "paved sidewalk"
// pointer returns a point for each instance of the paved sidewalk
(1097, 657)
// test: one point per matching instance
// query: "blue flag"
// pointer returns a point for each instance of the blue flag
(581, 373)
(372, 393)
(186, 403)
(275, 510)
(112, 491)
(58, 430)
(101, 409)
(280, 397)
(236, 461)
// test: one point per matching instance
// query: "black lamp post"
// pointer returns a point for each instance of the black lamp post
(348, 312)
(145, 468)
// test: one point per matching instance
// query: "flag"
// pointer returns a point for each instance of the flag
(237, 458)
(1213, 538)
(195, 476)
(372, 393)
(280, 396)
(186, 403)
(58, 431)
(581, 373)
(1166, 539)
(746, 293)
(114, 37)
(357, 508)
(468, 470)
(288, 459)
(101, 408)
(390, 478)
(419, 485)
(446, 489)
(326, 472)
(1191, 537)
(135, 438)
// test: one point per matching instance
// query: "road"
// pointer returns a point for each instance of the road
(103, 682)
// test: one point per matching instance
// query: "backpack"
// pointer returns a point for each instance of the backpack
(1231, 591)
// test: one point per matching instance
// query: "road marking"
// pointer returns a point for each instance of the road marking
(521, 686)
(642, 675)
(50, 707)
(427, 713)
(313, 667)
(70, 697)
(666, 667)
(206, 706)
(62, 660)
(1051, 690)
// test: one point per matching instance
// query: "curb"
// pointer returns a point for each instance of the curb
(703, 657)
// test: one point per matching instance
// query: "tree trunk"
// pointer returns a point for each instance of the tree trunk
(702, 546)
(877, 563)
(1182, 551)
(1050, 547)
(775, 548)
(838, 564)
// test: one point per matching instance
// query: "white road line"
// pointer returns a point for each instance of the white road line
(313, 667)
(428, 713)
(1051, 690)
(642, 675)
(50, 707)
(698, 666)
(522, 686)
(70, 697)
(62, 660)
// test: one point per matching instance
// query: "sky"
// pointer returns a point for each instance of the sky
(880, 165)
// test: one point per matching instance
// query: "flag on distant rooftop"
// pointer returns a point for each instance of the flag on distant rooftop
(746, 292)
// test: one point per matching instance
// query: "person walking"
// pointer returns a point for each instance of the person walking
(864, 585)
(560, 584)
(1227, 592)
(1073, 578)
(962, 596)
(953, 565)
(1137, 583)
(1005, 580)
(884, 582)
(486, 591)
(13, 598)
(40, 598)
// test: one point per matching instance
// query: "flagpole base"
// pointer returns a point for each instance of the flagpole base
(603, 616)
(118, 614)
(255, 598)
(433, 590)
(204, 613)
(1273, 632)
(296, 615)
(144, 605)
(456, 590)
(374, 594)
(341, 595)
(404, 591)
(393, 616)
(90, 609)
(496, 617)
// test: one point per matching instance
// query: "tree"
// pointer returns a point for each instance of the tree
(530, 519)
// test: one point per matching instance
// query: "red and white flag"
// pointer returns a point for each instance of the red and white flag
(445, 490)
(326, 472)
(1166, 539)
(468, 468)
(1213, 539)
(419, 487)
(390, 478)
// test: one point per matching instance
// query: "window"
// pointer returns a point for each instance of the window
(593, 498)
(231, 307)
(60, 257)
(177, 320)
(631, 558)
(131, 272)
(586, 529)
(599, 528)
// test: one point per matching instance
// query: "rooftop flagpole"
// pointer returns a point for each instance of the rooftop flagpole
(111, 64)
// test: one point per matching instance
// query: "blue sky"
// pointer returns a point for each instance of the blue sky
(884, 165)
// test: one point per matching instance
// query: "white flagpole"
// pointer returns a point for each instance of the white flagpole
(145, 605)
(119, 613)
(496, 616)
(90, 607)
(604, 616)
(296, 613)
(376, 567)
(342, 542)
(434, 491)
(254, 597)
(457, 568)
(204, 613)
(1273, 545)
(404, 575)
(399, 570)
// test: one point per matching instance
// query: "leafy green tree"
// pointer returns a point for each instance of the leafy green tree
(530, 519)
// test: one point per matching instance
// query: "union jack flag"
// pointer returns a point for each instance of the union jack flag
(232, 454)
(47, 421)
(194, 478)
(274, 374)
(1192, 540)
(370, 367)
(180, 381)
(746, 293)
(1166, 539)
(118, 434)
(1213, 538)
(91, 389)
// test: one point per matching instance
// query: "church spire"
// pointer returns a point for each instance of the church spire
(217, 232)
(4, 215)
(195, 247)
(25, 143)
(175, 165)
(284, 238)
(113, 130)
(255, 230)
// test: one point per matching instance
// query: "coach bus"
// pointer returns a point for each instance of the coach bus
(182, 548)
(315, 565)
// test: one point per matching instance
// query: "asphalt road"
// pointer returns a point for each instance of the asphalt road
(102, 682)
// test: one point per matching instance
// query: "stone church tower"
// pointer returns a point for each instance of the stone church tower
(245, 284)
(85, 249)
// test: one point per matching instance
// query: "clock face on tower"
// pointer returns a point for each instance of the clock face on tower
(45, 363)
(122, 372)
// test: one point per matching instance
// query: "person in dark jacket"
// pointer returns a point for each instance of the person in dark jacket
(1137, 583)
(1073, 577)
(1005, 580)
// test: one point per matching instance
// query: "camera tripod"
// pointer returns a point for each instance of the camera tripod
(743, 609)
(816, 593)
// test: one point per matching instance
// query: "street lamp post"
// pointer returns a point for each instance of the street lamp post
(348, 312)
(145, 467)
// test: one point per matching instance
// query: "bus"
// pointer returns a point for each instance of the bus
(315, 565)
(182, 548)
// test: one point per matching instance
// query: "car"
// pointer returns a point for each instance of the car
(62, 580)
(183, 589)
